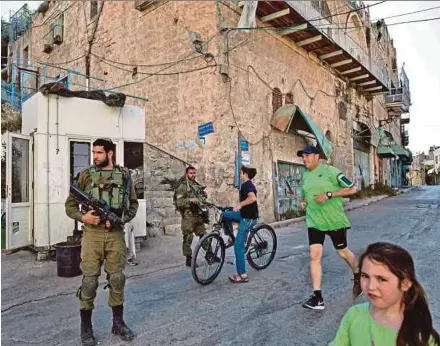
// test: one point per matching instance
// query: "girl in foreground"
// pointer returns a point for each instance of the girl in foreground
(397, 313)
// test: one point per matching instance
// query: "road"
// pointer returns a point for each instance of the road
(164, 306)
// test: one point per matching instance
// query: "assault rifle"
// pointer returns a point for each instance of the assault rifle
(101, 208)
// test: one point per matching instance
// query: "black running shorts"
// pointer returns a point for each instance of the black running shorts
(338, 237)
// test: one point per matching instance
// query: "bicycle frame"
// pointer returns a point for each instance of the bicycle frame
(219, 225)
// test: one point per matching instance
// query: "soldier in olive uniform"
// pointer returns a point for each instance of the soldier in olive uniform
(189, 195)
(103, 242)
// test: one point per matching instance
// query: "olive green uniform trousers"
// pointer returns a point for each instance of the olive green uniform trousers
(100, 246)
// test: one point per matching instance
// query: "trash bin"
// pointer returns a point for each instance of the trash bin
(68, 259)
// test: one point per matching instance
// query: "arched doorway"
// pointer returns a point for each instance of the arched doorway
(361, 155)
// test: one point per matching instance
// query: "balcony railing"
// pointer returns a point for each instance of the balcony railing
(404, 119)
(340, 37)
(399, 97)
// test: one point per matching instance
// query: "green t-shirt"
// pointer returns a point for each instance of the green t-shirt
(328, 216)
(358, 328)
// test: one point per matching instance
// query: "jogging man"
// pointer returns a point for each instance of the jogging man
(323, 189)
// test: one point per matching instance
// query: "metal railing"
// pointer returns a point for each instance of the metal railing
(399, 95)
(339, 36)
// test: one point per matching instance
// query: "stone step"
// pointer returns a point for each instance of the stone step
(172, 221)
(173, 230)
(162, 202)
(161, 187)
(167, 212)
(159, 194)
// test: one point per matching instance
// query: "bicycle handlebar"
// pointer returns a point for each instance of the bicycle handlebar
(219, 207)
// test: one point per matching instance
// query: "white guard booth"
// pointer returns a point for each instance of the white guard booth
(54, 145)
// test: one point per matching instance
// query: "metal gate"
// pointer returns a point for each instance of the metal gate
(361, 168)
(289, 189)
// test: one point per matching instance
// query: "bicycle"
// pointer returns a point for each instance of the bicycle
(212, 248)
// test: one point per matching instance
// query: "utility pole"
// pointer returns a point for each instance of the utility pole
(239, 161)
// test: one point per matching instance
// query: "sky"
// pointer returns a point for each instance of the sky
(7, 6)
(417, 45)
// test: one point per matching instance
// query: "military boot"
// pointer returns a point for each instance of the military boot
(87, 337)
(119, 326)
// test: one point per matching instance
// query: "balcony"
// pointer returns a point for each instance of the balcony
(405, 138)
(398, 100)
(303, 22)
(404, 119)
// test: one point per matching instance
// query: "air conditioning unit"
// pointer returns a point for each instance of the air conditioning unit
(57, 34)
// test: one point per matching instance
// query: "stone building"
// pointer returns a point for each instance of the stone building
(312, 72)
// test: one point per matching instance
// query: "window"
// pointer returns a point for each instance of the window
(328, 135)
(277, 99)
(20, 170)
(58, 29)
(80, 157)
(93, 9)
(289, 98)
(134, 161)
(26, 56)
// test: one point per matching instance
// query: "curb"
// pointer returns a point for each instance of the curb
(287, 223)
(379, 198)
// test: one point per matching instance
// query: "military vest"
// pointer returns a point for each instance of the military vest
(108, 185)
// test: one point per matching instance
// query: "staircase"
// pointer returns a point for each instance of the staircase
(161, 213)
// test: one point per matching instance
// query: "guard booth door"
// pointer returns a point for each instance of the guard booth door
(19, 177)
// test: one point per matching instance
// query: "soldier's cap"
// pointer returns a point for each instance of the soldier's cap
(310, 149)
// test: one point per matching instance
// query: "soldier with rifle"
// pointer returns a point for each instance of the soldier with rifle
(107, 191)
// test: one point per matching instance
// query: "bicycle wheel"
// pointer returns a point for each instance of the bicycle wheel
(208, 258)
(261, 246)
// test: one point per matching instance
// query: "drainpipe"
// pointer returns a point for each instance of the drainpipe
(48, 172)
(57, 124)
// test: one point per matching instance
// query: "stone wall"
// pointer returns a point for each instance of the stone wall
(150, 54)
(159, 165)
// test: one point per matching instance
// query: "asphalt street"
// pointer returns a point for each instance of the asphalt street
(164, 306)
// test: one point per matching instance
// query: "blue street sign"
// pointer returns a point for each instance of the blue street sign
(244, 145)
(206, 129)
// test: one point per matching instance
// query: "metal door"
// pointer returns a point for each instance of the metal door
(289, 188)
(361, 168)
(19, 177)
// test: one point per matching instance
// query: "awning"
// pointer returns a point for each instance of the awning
(290, 118)
(385, 151)
(431, 171)
(400, 151)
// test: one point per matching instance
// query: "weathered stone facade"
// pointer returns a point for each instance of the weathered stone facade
(149, 53)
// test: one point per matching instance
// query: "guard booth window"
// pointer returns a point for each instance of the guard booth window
(79, 158)
(134, 161)
(20, 171)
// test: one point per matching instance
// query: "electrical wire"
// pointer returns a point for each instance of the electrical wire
(141, 65)
(407, 13)
(53, 15)
(310, 20)
(61, 63)
(165, 68)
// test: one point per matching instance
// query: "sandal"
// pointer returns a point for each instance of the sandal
(243, 278)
